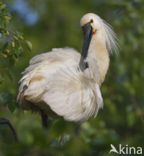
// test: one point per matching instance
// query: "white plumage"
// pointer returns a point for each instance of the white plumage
(54, 82)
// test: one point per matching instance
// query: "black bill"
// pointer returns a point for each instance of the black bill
(87, 30)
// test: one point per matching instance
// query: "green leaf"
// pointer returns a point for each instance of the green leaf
(29, 45)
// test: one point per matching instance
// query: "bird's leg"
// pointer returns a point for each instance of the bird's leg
(4, 121)
(44, 118)
(78, 129)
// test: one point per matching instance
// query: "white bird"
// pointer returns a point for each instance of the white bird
(66, 83)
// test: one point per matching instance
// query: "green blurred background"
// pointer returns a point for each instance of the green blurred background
(29, 27)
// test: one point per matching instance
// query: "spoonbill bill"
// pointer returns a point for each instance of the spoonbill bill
(64, 82)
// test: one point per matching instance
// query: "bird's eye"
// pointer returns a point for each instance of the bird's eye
(91, 21)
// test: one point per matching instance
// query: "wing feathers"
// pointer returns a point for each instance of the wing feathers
(54, 79)
(70, 97)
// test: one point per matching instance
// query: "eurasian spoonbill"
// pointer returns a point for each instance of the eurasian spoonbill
(64, 82)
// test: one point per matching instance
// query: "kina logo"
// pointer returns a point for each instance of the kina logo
(126, 149)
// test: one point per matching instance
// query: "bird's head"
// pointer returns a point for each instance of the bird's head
(96, 29)
(91, 20)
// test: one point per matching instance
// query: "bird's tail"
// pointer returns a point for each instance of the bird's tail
(44, 118)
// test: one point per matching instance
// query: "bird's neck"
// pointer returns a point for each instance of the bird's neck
(98, 51)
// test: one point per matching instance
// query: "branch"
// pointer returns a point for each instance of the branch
(4, 121)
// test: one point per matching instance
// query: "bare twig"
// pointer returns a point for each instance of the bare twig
(4, 121)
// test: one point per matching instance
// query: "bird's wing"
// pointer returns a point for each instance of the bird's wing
(54, 57)
(40, 70)
(56, 53)
(73, 96)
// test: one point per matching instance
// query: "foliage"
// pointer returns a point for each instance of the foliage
(122, 119)
(12, 45)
